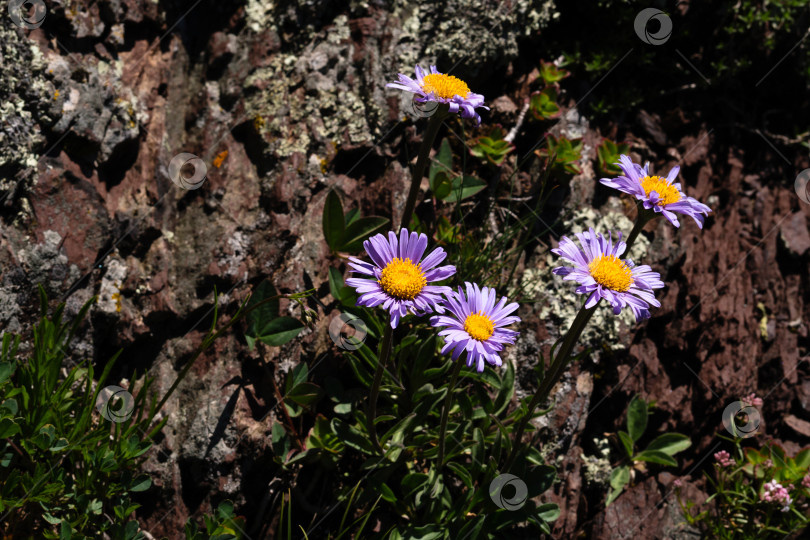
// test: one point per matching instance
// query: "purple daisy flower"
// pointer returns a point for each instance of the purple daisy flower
(657, 193)
(442, 88)
(476, 325)
(400, 281)
(602, 274)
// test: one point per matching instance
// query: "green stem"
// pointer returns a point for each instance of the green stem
(644, 216)
(385, 353)
(554, 373)
(563, 355)
(448, 401)
(421, 162)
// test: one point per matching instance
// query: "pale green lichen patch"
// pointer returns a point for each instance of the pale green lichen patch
(597, 468)
(559, 303)
(25, 99)
(314, 89)
(473, 31)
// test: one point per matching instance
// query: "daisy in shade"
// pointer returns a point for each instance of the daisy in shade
(476, 325)
(400, 275)
(442, 88)
(602, 274)
(657, 193)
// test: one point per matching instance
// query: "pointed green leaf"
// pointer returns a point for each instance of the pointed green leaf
(670, 443)
(656, 456)
(627, 442)
(305, 394)
(333, 221)
(618, 479)
(360, 230)
(464, 187)
(279, 331)
(442, 162)
(637, 417)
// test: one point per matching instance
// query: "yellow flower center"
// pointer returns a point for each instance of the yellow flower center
(667, 192)
(402, 279)
(444, 86)
(611, 272)
(480, 327)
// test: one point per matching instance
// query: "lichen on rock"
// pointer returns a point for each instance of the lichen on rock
(25, 96)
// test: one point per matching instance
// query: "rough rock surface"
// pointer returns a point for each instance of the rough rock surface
(284, 100)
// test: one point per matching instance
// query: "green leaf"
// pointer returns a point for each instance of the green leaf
(65, 530)
(540, 478)
(141, 483)
(6, 369)
(351, 215)
(305, 394)
(442, 185)
(548, 512)
(296, 376)
(670, 443)
(351, 436)
(803, 458)
(8, 428)
(442, 162)
(10, 405)
(387, 493)
(412, 482)
(618, 479)
(464, 187)
(360, 230)
(279, 331)
(462, 473)
(60, 444)
(627, 442)
(341, 293)
(263, 314)
(333, 221)
(45, 437)
(637, 417)
(656, 456)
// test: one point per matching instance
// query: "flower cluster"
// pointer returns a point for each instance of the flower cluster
(774, 492)
(724, 459)
(752, 399)
(402, 284)
(806, 481)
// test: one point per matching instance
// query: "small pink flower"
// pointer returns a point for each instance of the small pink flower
(774, 492)
(677, 483)
(724, 459)
(752, 399)
(806, 481)
(768, 464)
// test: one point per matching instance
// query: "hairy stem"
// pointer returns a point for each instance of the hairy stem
(563, 354)
(421, 162)
(385, 353)
(448, 401)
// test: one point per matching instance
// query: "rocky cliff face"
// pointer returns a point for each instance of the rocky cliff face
(281, 101)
